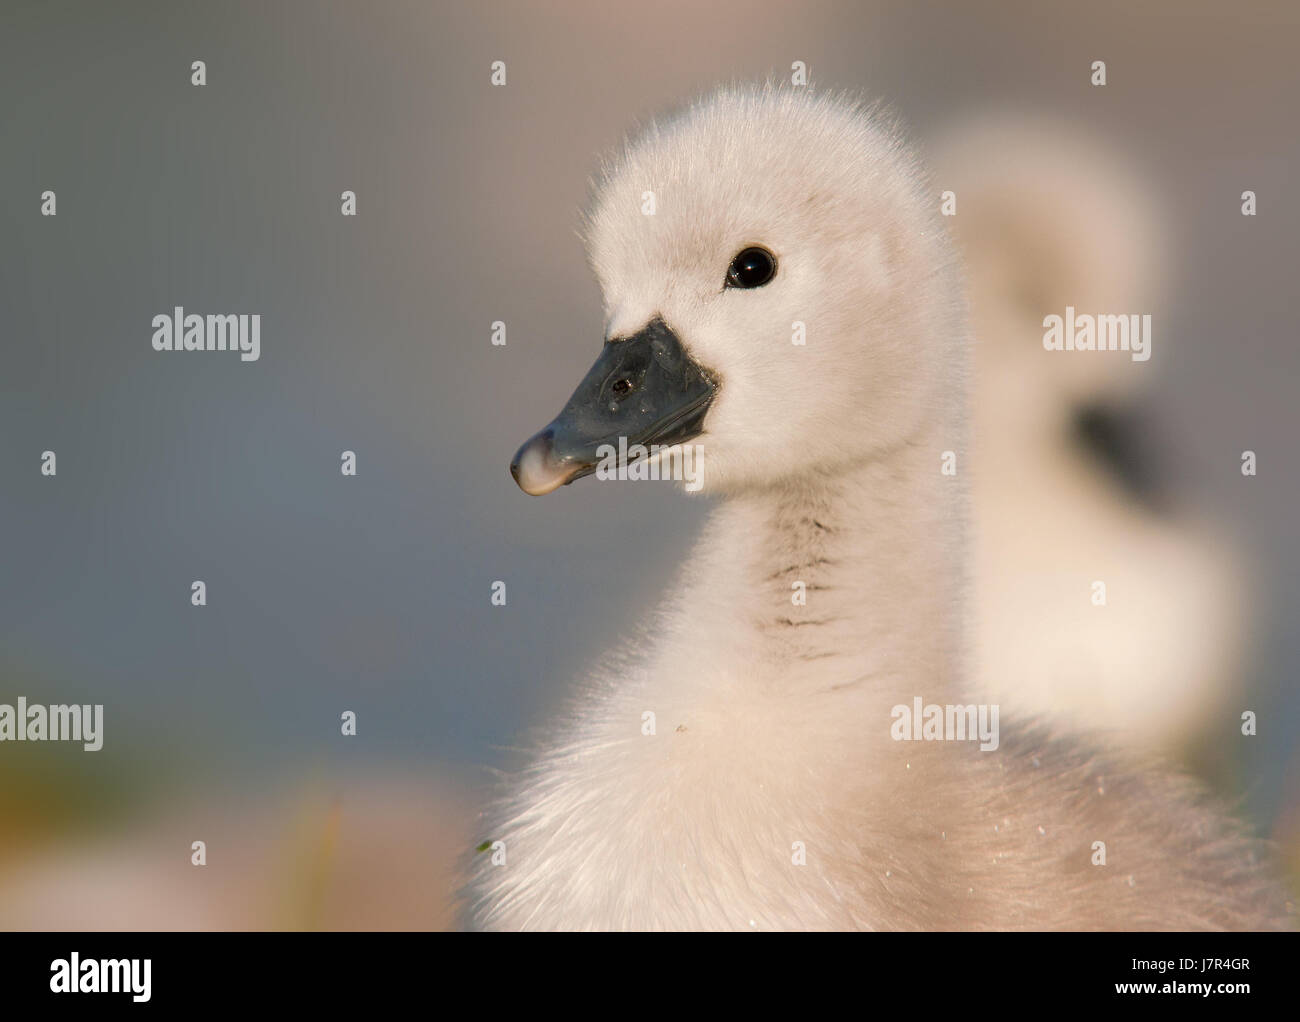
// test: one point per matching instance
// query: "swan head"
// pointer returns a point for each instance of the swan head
(777, 290)
(1051, 216)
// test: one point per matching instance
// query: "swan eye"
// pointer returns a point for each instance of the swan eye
(753, 267)
(623, 386)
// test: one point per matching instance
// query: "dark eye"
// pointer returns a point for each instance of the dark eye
(753, 267)
(622, 386)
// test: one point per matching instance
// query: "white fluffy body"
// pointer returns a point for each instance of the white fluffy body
(772, 719)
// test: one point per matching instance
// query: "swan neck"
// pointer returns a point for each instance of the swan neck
(861, 571)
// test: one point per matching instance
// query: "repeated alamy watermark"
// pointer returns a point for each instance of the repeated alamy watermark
(932, 722)
(1085, 332)
(683, 463)
(36, 722)
(180, 332)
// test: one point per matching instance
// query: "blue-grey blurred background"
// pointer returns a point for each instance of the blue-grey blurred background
(328, 593)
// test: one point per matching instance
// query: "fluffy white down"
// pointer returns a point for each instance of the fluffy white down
(773, 720)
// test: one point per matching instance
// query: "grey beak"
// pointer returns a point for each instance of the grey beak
(644, 387)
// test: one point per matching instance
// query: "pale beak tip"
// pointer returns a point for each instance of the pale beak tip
(535, 468)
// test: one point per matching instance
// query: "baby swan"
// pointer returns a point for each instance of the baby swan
(1061, 493)
(792, 307)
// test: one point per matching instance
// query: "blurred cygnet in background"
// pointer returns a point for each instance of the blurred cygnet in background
(1066, 477)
